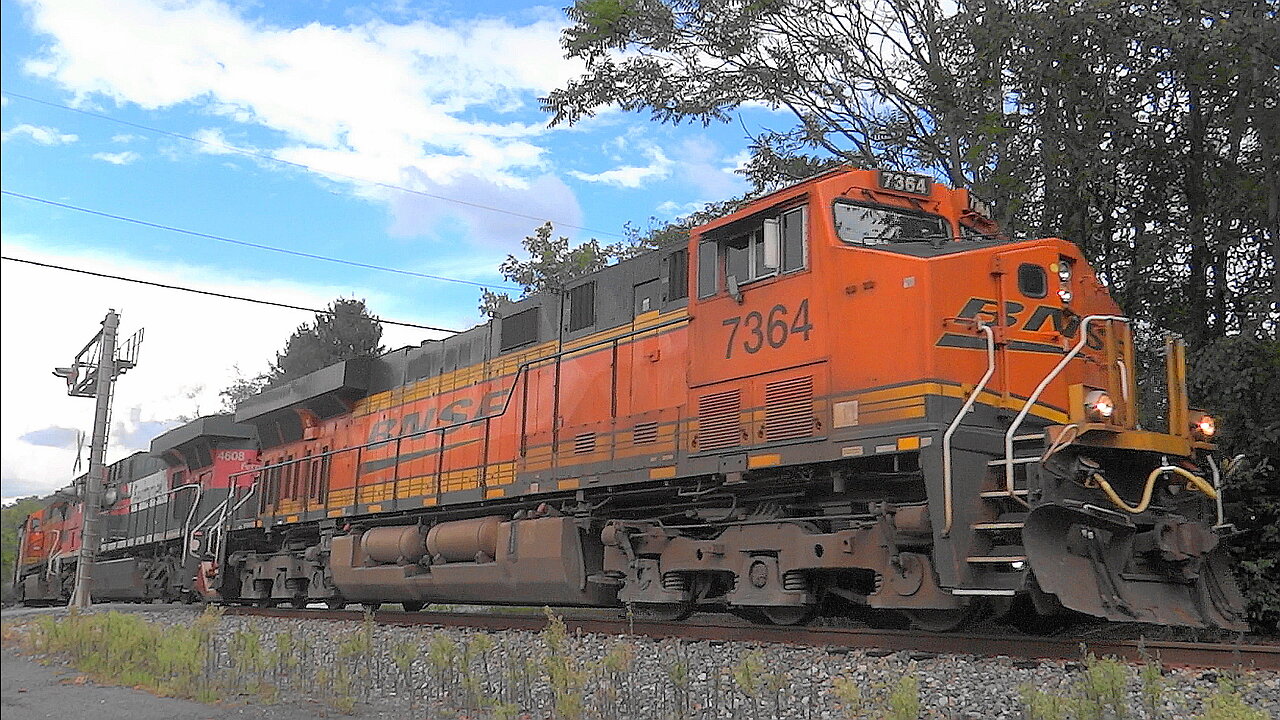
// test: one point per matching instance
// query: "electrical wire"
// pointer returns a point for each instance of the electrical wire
(302, 166)
(211, 293)
(246, 243)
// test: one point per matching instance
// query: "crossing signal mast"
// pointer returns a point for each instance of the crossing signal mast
(93, 374)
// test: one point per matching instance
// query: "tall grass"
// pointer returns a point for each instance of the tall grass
(429, 673)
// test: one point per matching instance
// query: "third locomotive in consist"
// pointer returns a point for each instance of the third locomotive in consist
(852, 395)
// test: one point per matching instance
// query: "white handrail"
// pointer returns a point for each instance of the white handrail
(1026, 408)
(253, 489)
(947, 504)
(1217, 490)
(191, 535)
(192, 512)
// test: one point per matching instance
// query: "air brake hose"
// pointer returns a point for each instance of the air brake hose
(1192, 481)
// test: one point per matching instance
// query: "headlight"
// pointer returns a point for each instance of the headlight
(1098, 405)
(1064, 271)
(1065, 295)
(1204, 426)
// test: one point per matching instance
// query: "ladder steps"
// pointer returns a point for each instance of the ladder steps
(1015, 461)
(998, 525)
(996, 494)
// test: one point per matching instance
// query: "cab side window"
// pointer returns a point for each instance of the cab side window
(753, 251)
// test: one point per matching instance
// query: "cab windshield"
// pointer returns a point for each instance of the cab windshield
(878, 225)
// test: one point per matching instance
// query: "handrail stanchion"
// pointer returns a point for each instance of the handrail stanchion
(1026, 407)
(947, 501)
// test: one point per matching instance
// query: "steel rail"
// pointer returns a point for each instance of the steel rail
(1249, 656)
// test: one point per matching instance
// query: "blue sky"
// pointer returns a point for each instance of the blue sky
(431, 97)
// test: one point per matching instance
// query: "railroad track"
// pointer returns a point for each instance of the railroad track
(1169, 653)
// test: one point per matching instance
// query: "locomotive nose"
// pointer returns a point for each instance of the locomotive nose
(1101, 563)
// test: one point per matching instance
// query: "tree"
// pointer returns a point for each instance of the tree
(242, 388)
(344, 331)
(1146, 133)
(1237, 375)
(552, 262)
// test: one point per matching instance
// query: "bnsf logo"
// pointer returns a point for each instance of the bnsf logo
(1041, 318)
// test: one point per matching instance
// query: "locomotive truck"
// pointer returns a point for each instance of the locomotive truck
(852, 396)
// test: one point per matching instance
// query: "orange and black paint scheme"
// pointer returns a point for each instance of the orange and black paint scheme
(852, 396)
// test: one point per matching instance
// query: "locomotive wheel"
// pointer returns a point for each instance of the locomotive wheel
(371, 606)
(412, 606)
(939, 621)
(335, 603)
(662, 612)
(786, 614)
(298, 603)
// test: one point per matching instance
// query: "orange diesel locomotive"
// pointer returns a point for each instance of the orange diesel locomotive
(851, 395)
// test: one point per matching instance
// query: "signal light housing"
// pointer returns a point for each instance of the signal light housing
(1203, 426)
(1098, 406)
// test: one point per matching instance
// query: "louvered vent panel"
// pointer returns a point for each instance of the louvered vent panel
(788, 409)
(584, 443)
(645, 433)
(718, 425)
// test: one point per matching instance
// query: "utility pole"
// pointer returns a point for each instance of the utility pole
(93, 374)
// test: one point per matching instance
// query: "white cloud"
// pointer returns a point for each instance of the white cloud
(125, 138)
(121, 158)
(543, 198)
(170, 379)
(39, 134)
(214, 142)
(671, 208)
(372, 99)
(631, 176)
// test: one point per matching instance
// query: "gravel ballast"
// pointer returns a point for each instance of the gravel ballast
(393, 671)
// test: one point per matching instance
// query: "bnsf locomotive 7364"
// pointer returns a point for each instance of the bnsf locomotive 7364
(851, 396)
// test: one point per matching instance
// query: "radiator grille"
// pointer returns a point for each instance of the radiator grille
(584, 443)
(788, 409)
(718, 424)
(645, 433)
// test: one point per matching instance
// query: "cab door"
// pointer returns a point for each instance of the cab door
(1035, 325)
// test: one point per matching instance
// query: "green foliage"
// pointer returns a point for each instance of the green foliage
(346, 331)
(1100, 693)
(126, 649)
(242, 388)
(849, 694)
(563, 673)
(1151, 677)
(904, 699)
(11, 518)
(551, 262)
(1041, 705)
(1226, 704)
(1235, 377)
(1102, 689)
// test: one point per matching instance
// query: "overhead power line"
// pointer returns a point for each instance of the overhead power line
(246, 243)
(211, 293)
(303, 166)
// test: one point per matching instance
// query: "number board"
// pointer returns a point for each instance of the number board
(906, 182)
